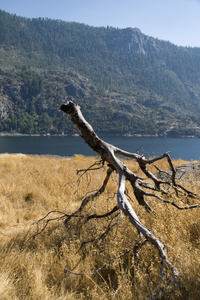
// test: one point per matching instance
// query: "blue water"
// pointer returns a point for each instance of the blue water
(187, 149)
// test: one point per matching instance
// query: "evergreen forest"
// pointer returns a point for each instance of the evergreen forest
(125, 81)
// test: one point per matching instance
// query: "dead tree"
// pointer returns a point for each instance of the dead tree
(142, 190)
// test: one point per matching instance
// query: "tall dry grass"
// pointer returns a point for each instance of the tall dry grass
(31, 186)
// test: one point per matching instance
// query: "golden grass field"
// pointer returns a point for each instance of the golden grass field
(37, 269)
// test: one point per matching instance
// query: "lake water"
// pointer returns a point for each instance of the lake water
(187, 149)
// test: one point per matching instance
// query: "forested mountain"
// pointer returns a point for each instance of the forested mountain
(126, 82)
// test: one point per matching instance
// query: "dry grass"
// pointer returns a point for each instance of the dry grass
(31, 186)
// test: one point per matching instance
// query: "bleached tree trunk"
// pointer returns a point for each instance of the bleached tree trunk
(108, 154)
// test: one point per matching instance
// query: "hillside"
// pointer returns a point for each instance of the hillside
(125, 81)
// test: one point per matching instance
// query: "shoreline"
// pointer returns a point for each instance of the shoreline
(17, 134)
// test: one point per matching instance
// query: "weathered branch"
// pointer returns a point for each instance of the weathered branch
(92, 196)
(108, 154)
(128, 211)
(111, 226)
(95, 216)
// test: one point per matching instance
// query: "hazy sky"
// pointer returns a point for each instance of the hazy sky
(177, 21)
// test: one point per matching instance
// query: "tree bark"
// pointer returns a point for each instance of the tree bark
(108, 154)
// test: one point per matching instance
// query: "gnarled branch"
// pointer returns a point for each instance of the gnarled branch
(108, 154)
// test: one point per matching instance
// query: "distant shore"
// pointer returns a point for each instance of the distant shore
(16, 134)
(32, 134)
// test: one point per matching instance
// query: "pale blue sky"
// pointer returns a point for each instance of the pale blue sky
(177, 21)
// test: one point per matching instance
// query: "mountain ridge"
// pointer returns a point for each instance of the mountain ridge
(125, 81)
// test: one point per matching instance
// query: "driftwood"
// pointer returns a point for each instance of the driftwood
(108, 154)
